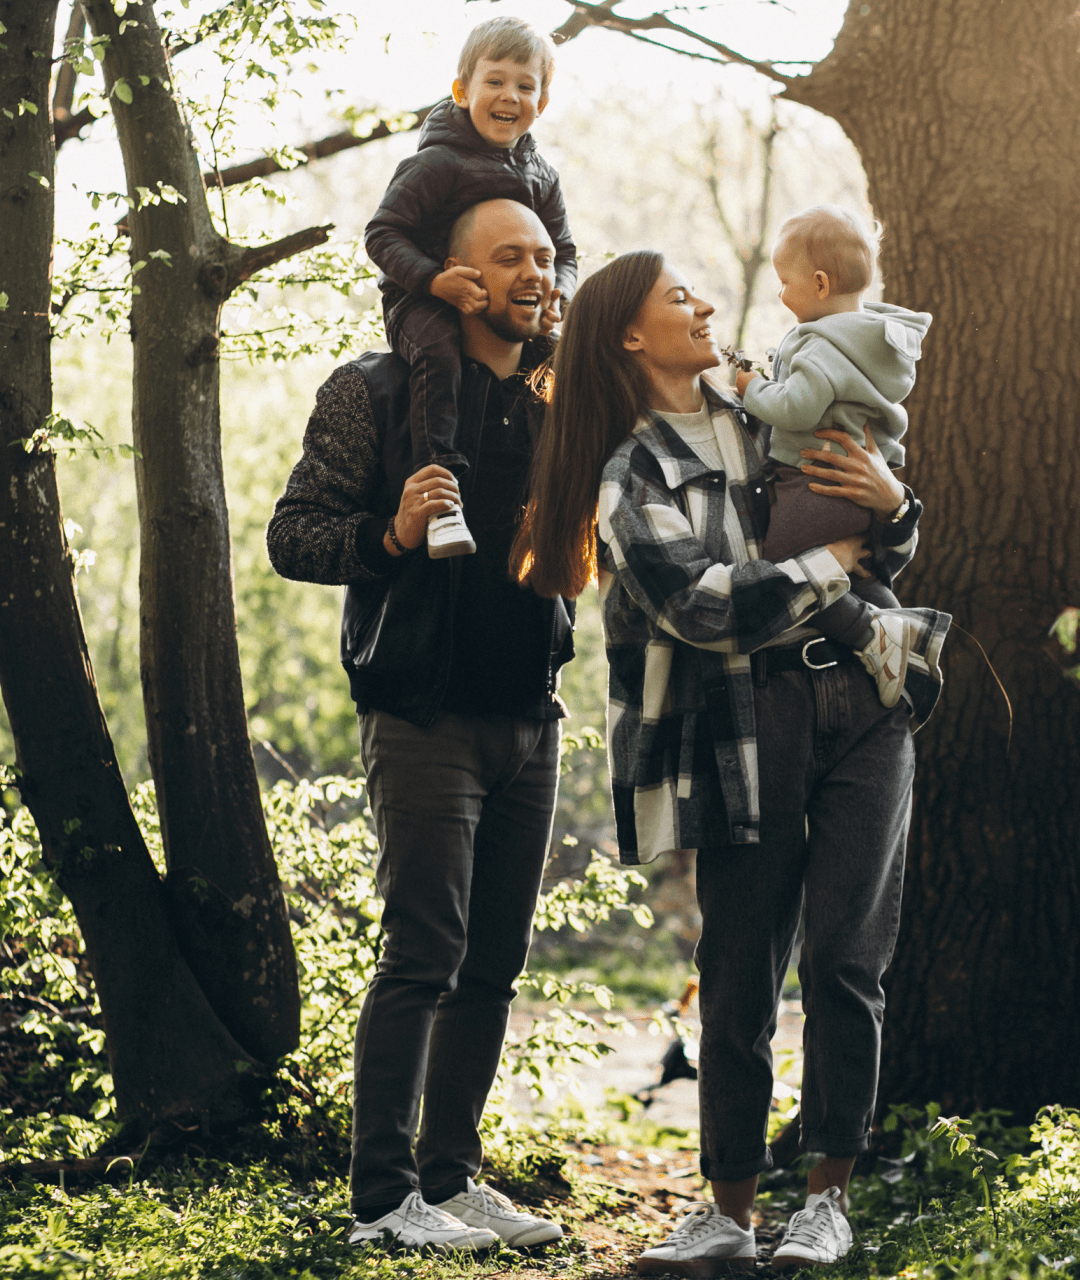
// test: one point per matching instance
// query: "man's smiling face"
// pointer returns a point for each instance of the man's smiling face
(508, 245)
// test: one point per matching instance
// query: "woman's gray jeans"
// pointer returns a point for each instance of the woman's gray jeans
(836, 770)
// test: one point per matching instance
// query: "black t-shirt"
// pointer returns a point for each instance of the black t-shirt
(500, 631)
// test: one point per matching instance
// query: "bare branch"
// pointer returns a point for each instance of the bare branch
(329, 146)
(64, 90)
(70, 127)
(603, 14)
(220, 282)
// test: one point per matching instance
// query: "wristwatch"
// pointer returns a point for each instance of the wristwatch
(900, 512)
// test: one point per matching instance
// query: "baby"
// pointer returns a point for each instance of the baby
(847, 364)
(474, 146)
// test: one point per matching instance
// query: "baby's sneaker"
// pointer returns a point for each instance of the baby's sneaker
(886, 656)
(818, 1235)
(706, 1243)
(449, 535)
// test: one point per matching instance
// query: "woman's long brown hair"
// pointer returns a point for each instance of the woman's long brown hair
(600, 392)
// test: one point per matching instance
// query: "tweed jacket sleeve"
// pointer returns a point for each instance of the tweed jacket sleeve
(663, 544)
(323, 527)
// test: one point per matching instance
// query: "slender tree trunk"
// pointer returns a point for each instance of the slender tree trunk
(169, 1054)
(967, 118)
(222, 880)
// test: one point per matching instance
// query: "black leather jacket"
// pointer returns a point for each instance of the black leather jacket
(453, 169)
(328, 525)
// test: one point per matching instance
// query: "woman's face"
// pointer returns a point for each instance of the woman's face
(671, 333)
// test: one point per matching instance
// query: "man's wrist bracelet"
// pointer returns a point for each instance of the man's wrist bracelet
(392, 535)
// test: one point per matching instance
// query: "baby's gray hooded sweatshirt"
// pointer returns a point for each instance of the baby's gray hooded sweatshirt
(842, 371)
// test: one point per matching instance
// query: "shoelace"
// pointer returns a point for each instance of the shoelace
(430, 1215)
(497, 1201)
(696, 1223)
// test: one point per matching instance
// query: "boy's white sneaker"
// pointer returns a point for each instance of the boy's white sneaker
(449, 535)
(886, 656)
(705, 1243)
(416, 1225)
(816, 1236)
(484, 1207)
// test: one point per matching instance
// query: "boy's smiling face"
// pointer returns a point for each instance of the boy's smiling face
(502, 98)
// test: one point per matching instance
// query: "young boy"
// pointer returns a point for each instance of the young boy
(473, 147)
(847, 364)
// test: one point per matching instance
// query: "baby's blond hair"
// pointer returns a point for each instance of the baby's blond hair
(835, 241)
(500, 38)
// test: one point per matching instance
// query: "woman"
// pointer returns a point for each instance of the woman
(734, 729)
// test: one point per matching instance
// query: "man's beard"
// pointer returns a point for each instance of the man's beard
(503, 326)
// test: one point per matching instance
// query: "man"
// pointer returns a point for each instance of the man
(453, 670)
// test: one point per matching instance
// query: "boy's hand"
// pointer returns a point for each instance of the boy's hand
(455, 285)
(743, 380)
(551, 315)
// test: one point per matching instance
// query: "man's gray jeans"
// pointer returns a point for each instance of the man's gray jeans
(836, 770)
(463, 813)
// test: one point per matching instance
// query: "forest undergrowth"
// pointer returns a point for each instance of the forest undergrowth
(939, 1197)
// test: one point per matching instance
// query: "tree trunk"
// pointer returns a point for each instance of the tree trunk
(222, 881)
(967, 118)
(169, 1054)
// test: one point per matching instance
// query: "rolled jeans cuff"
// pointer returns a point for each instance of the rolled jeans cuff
(714, 1171)
(833, 1146)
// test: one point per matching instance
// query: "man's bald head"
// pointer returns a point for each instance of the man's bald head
(487, 221)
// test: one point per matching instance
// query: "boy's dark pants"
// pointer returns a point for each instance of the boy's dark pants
(463, 812)
(426, 333)
(800, 519)
(835, 771)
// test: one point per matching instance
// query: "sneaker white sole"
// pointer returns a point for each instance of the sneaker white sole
(390, 1243)
(792, 1263)
(697, 1268)
(448, 549)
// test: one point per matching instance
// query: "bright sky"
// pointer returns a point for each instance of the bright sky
(405, 55)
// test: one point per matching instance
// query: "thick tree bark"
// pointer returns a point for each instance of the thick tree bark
(974, 171)
(169, 1054)
(222, 881)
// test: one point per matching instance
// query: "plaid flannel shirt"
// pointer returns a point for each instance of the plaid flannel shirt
(686, 600)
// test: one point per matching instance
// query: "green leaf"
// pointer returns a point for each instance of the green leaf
(123, 91)
(4, 300)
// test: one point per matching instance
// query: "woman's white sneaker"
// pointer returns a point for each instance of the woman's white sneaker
(416, 1225)
(706, 1243)
(816, 1236)
(483, 1207)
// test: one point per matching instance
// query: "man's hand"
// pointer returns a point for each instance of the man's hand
(456, 286)
(743, 380)
(432, 491)
(862, 475)
(551, 314)
(849, 552)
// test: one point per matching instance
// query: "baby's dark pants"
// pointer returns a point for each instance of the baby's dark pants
(426, 333)
(800, 519)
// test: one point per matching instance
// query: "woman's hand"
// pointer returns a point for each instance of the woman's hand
(861, 476)
(432, 491)
(848, 552)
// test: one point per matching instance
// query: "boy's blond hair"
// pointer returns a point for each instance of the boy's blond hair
(835, 241)
(500, 38)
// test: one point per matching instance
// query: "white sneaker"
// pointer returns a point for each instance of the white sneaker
(416, 1225)
(886, 656)
(449, 535)
(817, 1235)
(706, 1243)
(484, 1207)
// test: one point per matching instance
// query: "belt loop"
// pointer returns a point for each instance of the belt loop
(760, 659)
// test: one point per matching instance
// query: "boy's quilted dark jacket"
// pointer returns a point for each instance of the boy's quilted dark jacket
(453, 169)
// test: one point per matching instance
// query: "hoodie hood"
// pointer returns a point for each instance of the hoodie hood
(882, 341)
(446, 125)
